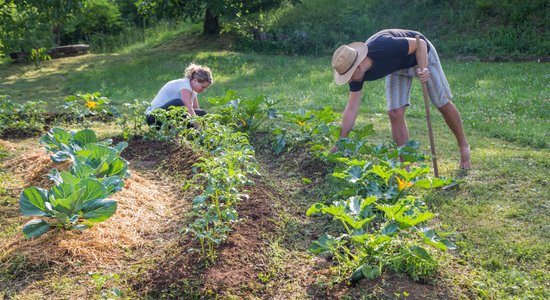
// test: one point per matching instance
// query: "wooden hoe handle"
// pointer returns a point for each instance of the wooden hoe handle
(422, 63)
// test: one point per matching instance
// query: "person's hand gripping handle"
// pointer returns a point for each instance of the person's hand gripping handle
(422, 60)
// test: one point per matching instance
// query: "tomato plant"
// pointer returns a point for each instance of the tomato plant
(245, 114)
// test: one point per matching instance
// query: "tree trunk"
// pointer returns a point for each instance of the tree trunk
(56, 30)
(211, 23)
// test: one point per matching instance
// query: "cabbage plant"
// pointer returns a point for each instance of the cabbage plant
(79, 198)
(73, 204)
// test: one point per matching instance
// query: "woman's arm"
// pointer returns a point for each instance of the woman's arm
(187, 99)
(196, 103)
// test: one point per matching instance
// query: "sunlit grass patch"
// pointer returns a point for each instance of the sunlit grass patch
(501, 213)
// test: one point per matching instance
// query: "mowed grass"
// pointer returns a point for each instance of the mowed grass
(506, 100)
(500, 213)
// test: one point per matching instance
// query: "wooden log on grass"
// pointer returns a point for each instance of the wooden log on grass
(69, 50)
(56, 52)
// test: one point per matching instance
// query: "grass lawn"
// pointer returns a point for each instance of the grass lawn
(499, 216)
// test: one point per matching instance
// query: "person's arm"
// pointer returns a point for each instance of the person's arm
(187, 99)
(421, 55)
(350, 113)
(196, 103)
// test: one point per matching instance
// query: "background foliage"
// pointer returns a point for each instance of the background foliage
(479, 27)
(468, 27)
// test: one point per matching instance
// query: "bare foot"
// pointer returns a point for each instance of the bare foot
(465, 158)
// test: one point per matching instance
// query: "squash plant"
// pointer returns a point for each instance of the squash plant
(316, 128)
(379, 212)
(304, 126)
(83, 106)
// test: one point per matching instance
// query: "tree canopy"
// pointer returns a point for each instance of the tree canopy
(209, 11)
(26, 24)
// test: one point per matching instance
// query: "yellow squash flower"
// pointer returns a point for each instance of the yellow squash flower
(90, 104)
(403, 184)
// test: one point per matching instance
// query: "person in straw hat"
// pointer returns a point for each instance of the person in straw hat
(392, 53)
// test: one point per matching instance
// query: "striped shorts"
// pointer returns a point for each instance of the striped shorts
(398, 84)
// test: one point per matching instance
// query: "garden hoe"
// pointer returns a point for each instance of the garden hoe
(422, 63)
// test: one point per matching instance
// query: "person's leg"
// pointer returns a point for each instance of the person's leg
(453, 120)
(398, 87)
(153, 122)
(150, 120)
(399, 130)
(200, 112)
(173, 102)
(440, 94)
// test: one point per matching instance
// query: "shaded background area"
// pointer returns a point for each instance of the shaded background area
(493, 29)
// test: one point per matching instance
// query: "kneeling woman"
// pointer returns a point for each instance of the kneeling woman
(182, 92)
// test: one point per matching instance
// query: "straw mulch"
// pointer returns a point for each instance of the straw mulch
(149, 211)
(33, 168)
(7, 145)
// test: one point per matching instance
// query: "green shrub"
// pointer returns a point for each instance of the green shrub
(22, 30)
(469, 27)
(97, 17)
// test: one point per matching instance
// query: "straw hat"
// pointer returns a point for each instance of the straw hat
(345, 60)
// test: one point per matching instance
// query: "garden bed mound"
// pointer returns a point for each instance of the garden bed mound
(148, 213)
(160, 157)
(244, 255)
(140, 217)
(240, 259)
(53, 118)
